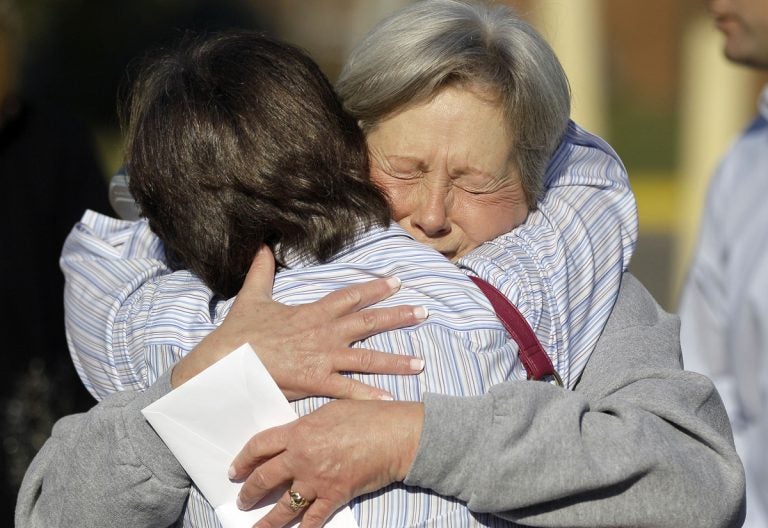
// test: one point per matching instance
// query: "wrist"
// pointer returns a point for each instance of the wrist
(411, 426)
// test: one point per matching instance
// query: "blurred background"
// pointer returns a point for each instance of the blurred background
(647, 75)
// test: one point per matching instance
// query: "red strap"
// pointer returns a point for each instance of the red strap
(535, 360)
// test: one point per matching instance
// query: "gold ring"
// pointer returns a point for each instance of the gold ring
(297, 501)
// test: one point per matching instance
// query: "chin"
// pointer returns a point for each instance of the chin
(738, 57)
(747, 58)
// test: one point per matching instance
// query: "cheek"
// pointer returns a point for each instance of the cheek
(500, 223)
(401, 202)
(398, 195)
(483, 221)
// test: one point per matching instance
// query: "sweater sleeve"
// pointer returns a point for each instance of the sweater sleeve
(106, 467)
(640, 442)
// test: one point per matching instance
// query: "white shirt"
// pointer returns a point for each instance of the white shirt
(129, 319)
(724, 306)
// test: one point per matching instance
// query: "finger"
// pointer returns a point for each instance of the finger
(260, 277)
(318, 513)
(270, 475)
(375, 362)
(259, 447)
(282, 513)
(370, 362)
(343, 388)
(358, 296)
(365, 323)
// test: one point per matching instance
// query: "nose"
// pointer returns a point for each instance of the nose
(432, 212)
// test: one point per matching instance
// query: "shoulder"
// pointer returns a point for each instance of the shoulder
(640, 340)
(100, 236)
(428, 278)
(747, 151)
(635, 306)
(586, 146)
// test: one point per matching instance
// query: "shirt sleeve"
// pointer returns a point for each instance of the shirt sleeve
(562, 267)
(639, 442)
(128, 317)
(106, 467)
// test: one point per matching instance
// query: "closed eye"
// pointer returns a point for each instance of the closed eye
(400, 175)
(477, 183)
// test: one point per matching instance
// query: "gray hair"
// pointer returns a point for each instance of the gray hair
(429, 45)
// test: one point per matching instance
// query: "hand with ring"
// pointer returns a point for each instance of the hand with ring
(306, 348)
(344, 449)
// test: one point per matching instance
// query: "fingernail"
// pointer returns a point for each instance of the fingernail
(240, 503)
(417, 365)
(394, 283)
(231, 473)
(420, 313)
(386, 397)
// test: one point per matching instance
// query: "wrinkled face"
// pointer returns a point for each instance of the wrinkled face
(745, 26)
(448, 168)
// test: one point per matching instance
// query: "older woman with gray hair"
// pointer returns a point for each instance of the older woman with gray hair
(463, 106)
(466, 112)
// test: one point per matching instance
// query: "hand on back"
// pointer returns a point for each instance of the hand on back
(307, 347)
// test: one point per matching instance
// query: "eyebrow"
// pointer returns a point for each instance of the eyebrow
(410, 159)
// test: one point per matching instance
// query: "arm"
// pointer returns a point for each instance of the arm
(105, 262)
(707, 302)
(562, 267)
(106, 467)
(640, 442)
(129, 319)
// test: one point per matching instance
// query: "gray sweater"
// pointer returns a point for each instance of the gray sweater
(640, 442)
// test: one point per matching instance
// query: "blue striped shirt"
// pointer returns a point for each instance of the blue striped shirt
(129, 318)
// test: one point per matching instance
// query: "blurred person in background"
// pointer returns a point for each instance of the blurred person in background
(50, 173)
(724, 305)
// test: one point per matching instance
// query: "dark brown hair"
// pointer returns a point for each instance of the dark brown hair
(237, 139)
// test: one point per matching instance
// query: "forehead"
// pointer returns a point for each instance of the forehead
(465, 120)
(453, 100)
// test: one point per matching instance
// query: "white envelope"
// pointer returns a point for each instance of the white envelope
(206, 422)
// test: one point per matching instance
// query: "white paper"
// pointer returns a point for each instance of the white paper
(206, 422)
